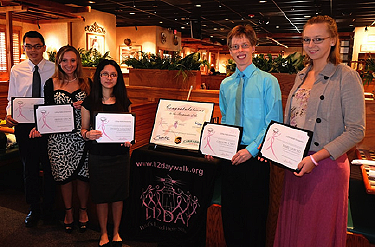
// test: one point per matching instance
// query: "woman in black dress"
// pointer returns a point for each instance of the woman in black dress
(108, 162)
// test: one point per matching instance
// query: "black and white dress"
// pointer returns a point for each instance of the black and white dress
(66, 150)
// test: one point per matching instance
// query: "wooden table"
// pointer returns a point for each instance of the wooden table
(368, 182)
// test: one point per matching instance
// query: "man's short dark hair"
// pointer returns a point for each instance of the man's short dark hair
(33, 34)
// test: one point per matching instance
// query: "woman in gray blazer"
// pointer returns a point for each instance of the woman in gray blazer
(327, 98)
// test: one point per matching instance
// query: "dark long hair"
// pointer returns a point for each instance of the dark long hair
(119, 90)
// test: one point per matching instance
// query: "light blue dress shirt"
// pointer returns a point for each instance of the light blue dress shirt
(261, 103)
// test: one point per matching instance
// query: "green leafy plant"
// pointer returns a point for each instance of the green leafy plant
(263, 63)
(175, 62)
(52, 56)
(290, 64)
(90, 58)
(230, 67)
(368, 73)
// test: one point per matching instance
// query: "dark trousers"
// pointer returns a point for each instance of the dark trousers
(33, 152)
(244, 201)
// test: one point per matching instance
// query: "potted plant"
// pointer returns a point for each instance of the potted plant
(368, 75)
(155, 71)
(90, 58)
(230, 67)
(290, 64)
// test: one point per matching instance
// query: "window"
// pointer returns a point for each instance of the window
(16, 49)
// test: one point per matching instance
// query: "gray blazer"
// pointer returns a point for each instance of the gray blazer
(335, 110)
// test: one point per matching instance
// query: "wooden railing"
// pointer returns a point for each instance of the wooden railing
(144, 121)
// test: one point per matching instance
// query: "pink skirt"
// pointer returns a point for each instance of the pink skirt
(314, 207)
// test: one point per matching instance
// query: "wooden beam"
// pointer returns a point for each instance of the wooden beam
(9, 40)
(13, 9)
(51, 5)
(79, 18)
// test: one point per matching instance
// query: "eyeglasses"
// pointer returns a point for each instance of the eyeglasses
(30, 47)
(108, 75)
(307, 41)
(236, 47)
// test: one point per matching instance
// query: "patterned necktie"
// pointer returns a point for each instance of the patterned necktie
(36, 82)
(238, 115)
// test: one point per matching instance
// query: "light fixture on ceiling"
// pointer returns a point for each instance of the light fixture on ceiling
(220, 4)
(155, 6)
(133, 3)
(277, 42)
(128, 42)
(366, 29)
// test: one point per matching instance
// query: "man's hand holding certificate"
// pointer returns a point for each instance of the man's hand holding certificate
(220, 140)
(23, 109)
(285, 145)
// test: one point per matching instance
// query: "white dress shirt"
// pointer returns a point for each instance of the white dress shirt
(21, 79)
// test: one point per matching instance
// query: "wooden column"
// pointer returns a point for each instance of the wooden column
(9, 39)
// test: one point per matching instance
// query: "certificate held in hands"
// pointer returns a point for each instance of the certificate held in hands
(285, 145)
(54, 118)
(115, 127)
(23, 108)
(220, 140)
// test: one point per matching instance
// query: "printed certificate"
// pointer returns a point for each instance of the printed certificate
(178, 123)
(54, 118)
(115, 127)
(220, 140)
(23, 108)
(285, 145)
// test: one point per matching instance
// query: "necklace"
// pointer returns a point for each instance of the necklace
(72, 80)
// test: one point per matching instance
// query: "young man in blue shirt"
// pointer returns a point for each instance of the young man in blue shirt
(250, 98)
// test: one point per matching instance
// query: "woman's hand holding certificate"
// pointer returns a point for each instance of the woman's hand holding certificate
(285, 145)
(115, 127)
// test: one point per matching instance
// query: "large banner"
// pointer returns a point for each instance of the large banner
(178, 123)
(169, 197)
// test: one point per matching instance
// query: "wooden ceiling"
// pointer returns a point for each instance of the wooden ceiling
(277, 22)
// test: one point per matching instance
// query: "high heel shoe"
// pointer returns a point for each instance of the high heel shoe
(68, 227)
(82, 225)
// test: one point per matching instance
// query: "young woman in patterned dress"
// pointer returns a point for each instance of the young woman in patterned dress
(66, 151)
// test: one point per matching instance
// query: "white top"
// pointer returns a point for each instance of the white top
(21, 79)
